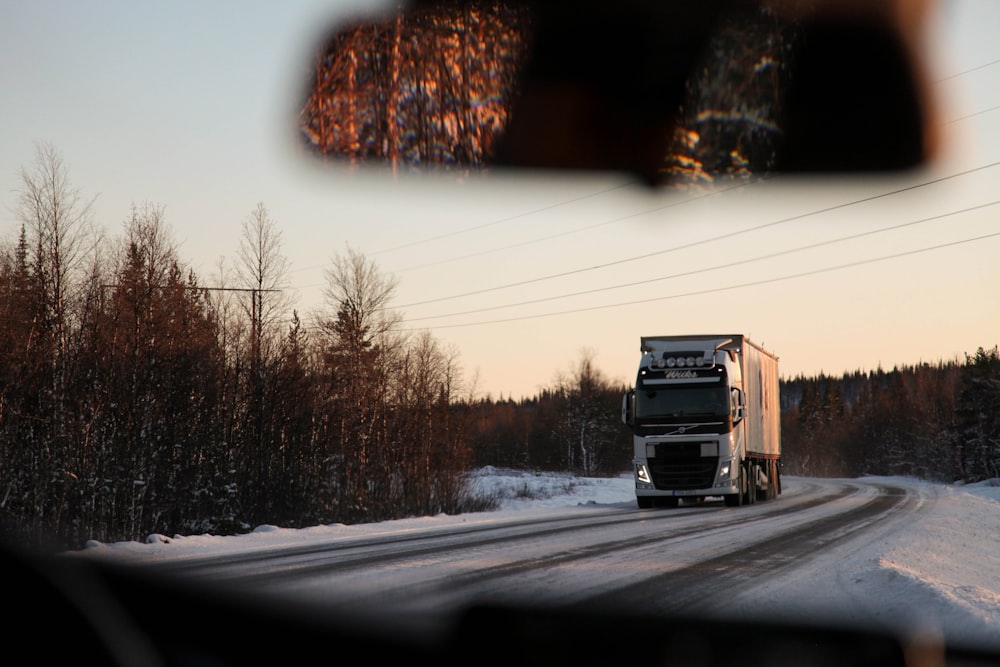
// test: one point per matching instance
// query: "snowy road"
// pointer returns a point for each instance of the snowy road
(704, 557)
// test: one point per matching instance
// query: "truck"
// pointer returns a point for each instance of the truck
(705, 415)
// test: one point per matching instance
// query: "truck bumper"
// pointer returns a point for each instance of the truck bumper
(645, 487)
(729, 488)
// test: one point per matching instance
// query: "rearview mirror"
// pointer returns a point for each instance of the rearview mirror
(677, 93)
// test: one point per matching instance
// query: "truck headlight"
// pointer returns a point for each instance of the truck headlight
(642, 474)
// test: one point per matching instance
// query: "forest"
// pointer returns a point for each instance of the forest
(135, 398)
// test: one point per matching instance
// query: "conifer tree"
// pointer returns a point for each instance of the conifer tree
(978, 411)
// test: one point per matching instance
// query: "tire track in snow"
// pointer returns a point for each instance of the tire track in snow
(709, 585)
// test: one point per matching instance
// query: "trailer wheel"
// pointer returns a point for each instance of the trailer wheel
(772, 480)
(764, 492)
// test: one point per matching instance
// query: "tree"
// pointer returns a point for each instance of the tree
(588, 424)
(978, 412)
(428, 453)
(356, 333)
(390, 429)
(57, 219)
(262, 273)
(359, 295)
(45, 281)
(303, 488)
(156, 366)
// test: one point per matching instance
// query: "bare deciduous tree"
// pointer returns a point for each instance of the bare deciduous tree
(57, 219)
(359, 294)
(588, 422)
(262, 270)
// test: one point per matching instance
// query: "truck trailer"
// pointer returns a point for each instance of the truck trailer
(706, 421)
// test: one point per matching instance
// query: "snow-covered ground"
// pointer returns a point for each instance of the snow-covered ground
(942, 567)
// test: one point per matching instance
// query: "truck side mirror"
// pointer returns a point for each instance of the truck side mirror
(628, 401)
(739, 405)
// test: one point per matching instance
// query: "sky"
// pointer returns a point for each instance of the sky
(192, 106)
(942, 564)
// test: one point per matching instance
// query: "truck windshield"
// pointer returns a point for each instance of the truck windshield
(684, 401)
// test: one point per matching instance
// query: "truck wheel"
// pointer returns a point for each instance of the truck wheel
(751, 484)
(644, 502)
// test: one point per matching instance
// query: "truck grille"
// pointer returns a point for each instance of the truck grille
(681, 467)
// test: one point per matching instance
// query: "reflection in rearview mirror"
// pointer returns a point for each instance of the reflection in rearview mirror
(678, 93)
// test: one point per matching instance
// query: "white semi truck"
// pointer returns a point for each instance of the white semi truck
(706, 421)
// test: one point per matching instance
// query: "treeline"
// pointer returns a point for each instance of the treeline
(937, 422)
(137, 399)
(575, 425)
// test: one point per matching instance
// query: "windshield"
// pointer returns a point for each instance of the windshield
(300, 267)
(686, 401)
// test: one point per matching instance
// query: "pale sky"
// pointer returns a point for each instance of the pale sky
(191, 105)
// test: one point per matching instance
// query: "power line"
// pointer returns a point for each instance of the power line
(577, 199)
(971, 115)
(665, 251)
(705, 241)
(964, 72)
(587, 196)
(717, 267)
(714, 290)
(581, 198)
(195, 288)
(550, 237)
